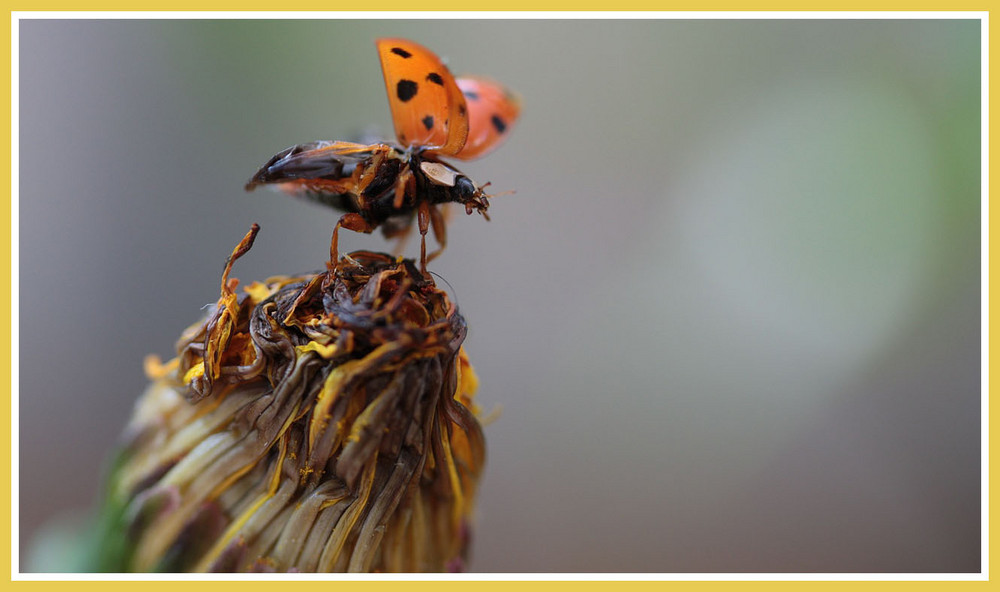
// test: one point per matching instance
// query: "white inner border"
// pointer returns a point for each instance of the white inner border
(983, 17)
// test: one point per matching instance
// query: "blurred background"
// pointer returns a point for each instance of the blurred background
(730, 315)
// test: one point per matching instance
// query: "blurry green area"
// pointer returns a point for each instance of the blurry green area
(731, 312)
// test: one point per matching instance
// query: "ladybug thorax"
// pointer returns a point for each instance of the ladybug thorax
(441, 181)
(439, 173)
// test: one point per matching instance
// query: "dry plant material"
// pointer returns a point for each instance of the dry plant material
(315, 423)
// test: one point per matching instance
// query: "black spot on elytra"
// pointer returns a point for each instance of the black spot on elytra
(401, 52)
(428, 122)
(472, 96)
(498, 123)
(406, 89)
(461, 109)
(435, 78)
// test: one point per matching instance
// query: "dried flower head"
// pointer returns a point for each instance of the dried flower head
(314, 423)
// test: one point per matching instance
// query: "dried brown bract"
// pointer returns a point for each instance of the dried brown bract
(314, 423)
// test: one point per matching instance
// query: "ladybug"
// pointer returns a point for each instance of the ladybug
(384, 185)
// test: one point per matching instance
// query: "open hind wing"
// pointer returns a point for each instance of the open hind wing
(314, 161)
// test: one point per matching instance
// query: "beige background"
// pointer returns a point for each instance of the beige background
(731, 313)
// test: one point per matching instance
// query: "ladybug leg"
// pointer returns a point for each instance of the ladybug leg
(404, 181)
(440, 231)
(349, 221)
(423, 223)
